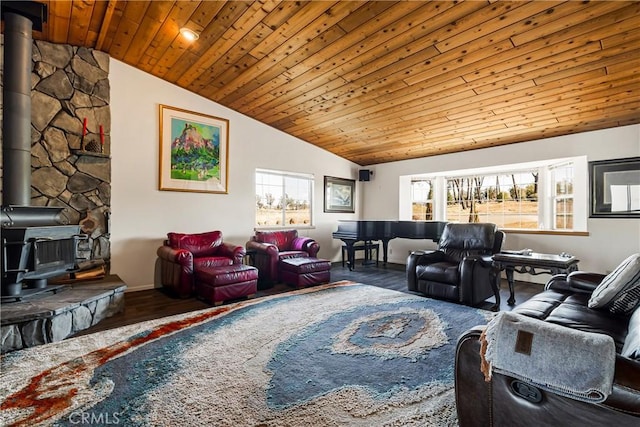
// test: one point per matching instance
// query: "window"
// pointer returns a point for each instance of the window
(422, 199)
(283, 199)
(508, 200)
(539, 195)
(563, 196)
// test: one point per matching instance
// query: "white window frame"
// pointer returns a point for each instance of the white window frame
(427, 200)
(546, 191)
(557, 197)
(286, 174)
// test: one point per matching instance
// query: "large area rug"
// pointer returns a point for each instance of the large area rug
(337, 354)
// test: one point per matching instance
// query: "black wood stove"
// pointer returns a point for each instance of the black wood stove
(35, 247)
(35, 244)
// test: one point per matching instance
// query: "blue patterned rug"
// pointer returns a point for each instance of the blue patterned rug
(337, 354)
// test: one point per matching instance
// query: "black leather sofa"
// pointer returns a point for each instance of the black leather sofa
(504, 401)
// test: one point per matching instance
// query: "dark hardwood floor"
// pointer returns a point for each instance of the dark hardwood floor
(155, 303)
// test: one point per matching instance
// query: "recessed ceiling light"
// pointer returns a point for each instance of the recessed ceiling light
(189, 34)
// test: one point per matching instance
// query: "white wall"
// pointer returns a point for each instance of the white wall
(142, 215)
(609, 240)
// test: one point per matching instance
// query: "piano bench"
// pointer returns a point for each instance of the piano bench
(367, 247)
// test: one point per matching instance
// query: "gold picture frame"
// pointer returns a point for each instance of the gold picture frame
(194, 151)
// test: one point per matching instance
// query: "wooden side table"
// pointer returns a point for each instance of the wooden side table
(534, 263)
(249, 257)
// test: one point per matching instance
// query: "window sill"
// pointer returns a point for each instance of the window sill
(548, 232)
(284, 227)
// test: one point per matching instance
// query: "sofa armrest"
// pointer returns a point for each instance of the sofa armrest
(265, 248)
(478, 277)
(471, 261)
(577, 281)
(428, 257)
(412, 259)
(178, 256)
(232, 251)
(466, 267)
(580, 281)
(490, 399)
(486, 261)
(416, 258)
(625, 396)
(306, 244)
(265, 259)
(473, 393)
(176, 270)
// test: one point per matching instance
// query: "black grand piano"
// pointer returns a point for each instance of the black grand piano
(352, 231)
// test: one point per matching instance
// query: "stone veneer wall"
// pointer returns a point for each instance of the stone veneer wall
(70, 84)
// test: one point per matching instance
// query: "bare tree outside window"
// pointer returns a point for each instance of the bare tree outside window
(283, 199)
(512, 199)
(508, 200)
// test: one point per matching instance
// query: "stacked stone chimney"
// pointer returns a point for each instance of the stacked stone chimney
(71, 84)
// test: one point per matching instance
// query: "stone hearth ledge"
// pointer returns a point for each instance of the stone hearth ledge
(50, 317)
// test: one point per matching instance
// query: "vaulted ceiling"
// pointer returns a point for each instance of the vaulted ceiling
(380, 81)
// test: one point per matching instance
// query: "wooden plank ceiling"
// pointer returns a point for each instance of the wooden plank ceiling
(381, 81)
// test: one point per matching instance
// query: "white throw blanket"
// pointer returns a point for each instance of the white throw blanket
(572, 363)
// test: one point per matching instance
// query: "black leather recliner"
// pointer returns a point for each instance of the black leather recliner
(505, 401)
(461, 269)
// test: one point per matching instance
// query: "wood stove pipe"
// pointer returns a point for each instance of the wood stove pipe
(16, 125)
(20, 18)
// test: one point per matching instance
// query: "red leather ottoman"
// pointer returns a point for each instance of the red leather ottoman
(305, 271)
(218, 284)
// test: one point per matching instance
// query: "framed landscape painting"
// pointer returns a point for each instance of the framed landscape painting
(194, 151)
(339, 194)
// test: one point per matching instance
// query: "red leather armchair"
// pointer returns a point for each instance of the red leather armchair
(270, 247)
(182, 254)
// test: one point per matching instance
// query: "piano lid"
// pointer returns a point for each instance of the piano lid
(388, 229)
